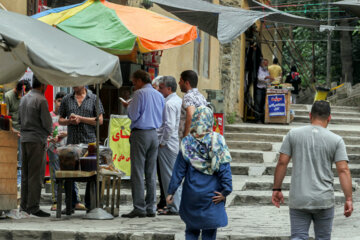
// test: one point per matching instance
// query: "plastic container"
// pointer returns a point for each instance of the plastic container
(3, 109)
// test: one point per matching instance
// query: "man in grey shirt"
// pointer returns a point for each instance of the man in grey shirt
(35, 126)
(169, 139)
(313, 150)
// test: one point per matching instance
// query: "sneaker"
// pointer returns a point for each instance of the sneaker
(134, 214)
(41, 213)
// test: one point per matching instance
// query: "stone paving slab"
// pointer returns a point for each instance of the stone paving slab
(251, 223)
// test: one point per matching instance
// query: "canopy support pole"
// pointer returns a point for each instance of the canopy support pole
(98, 213)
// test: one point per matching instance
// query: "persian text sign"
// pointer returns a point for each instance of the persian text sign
(276, 105)
(219, 123)
(119, 134)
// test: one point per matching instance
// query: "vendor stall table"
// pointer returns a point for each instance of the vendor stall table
(8, 170)
(67, 178)
(277, 106)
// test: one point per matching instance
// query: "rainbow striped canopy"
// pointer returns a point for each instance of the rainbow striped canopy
(116, 28)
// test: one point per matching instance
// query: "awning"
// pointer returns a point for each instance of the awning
(225, 23)
(283, 17)
(55, 57)
(352, 6)
(116, 28)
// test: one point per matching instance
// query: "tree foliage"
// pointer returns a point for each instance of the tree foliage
(305, 37)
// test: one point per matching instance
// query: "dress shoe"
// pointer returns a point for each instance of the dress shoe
(41, 213)
(63, 212)
(134, 214)
(150, 214)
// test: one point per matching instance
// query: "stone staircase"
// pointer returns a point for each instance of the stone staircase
(255, 148)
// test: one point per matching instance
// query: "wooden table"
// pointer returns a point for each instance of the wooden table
(8, 170)
(67, 178)
(278, 94)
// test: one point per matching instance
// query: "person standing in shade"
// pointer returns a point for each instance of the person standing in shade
(12, 99)
(35, 126)
(204, 164)
(313, 150)
(295, 80)
(145, 111)
(192, 99)
(169, 139)
(275, 71)
(78, 112)
(264, 79)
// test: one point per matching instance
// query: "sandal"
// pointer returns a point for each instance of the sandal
(80, 206)
(168, 212)
(53, 207)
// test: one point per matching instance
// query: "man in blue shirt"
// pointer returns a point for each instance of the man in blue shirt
(145, 111)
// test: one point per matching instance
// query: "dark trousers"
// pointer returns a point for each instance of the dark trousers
(206, 234)
(162, 202)
(32, 175)
(260, 95)
(143, 152)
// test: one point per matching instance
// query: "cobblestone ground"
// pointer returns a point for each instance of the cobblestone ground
(246, 222)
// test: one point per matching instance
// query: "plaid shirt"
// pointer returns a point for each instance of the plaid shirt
(81, 133)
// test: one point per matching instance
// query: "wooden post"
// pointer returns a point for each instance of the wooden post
(244, 5)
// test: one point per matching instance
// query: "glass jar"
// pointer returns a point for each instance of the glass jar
(92, 149)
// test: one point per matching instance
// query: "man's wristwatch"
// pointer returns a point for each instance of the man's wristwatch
(276, 189)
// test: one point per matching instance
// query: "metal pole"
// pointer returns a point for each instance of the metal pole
(313, 60)
(328, 56)
(97, 146)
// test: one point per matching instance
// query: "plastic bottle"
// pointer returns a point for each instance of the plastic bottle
(56, 132)
(2, 95)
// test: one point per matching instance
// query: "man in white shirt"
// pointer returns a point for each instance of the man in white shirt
(169, 138)
(264, 79)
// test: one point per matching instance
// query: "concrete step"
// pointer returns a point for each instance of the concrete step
(264, 198)
(269, 169)
(253, 156)
(354, 169)
(334, 120)
(272, 138)
(283, 130)
(265, 183)
(261, 146)
(354, 114)
(255, 137)
(333, 108)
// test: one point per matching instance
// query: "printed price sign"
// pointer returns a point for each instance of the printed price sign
(276, 105)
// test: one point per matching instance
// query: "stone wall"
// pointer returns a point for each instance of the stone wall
(346, 96)
(230, 67)
(230, 74)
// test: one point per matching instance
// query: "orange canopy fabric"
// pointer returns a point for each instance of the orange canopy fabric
(154, 31)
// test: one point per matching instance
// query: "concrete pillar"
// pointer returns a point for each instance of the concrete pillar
(244, 5)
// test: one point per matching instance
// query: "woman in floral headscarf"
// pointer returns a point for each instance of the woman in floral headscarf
(204, 161)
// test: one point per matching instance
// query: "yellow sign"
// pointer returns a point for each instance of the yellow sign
(119, 134)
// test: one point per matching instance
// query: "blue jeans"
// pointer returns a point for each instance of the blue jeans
(206, 234)
(301, 219)
(55, 166)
